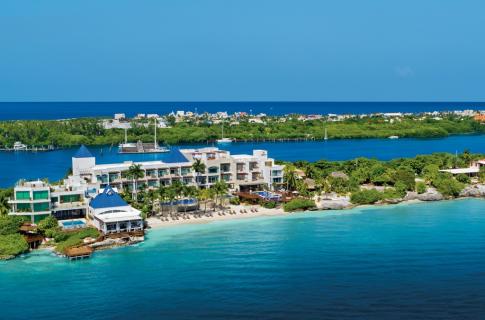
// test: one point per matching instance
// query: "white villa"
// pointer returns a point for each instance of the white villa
(111, 214)
(471, 171)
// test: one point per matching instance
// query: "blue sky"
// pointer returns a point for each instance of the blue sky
(226, 50)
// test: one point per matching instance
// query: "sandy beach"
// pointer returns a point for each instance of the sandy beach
(155, 222)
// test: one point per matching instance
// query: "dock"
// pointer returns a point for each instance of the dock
(78, 253)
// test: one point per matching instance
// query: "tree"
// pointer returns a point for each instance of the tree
(199, 167)
(47, 223)
(5, 194)
(135, 172)
(10, 224)
(220, 189)
(289, 175)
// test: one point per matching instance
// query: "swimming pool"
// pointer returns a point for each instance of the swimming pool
(183, 202)
(268, 195)
(73, 224)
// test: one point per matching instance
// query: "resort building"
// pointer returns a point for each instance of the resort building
(36, 200)
(471, 171)
(240, 172)
(109, 213)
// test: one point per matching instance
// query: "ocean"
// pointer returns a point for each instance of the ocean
(63, 110)
(412, 261)
(54, 165)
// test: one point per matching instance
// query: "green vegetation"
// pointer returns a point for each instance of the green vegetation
(12, 245)
(366, 196)
(90, 131)
(75, 238)
(269, 204)
(421, 187)
(11, 242)
(10, 224)
(299, 205)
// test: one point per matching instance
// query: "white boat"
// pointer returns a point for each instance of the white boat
(394, 137)
(140, 147)
(224, 140)
(19, 146)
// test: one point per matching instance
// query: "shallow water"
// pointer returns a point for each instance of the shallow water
(413, 261)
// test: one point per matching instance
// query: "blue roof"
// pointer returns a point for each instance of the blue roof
(83, 152)
(108, 199)
(175, 156)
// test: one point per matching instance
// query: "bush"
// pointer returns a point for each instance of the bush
(269, 204)
(10, 224)
(463, 178)
(299, 204)
(234, 201)
(421, 187)
(48, 223)
(448, 186)
(366, 196)
(72, 239)
(12, 245)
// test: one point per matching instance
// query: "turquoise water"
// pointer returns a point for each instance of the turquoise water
(418, 261)
(54, 165)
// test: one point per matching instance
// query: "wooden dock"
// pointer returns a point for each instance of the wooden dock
(77, 253)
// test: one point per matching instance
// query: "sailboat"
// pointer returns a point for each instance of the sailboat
(224, 140)
(139, 147)
(326, 135)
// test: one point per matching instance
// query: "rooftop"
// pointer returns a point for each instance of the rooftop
(108, 199)
(83, 152)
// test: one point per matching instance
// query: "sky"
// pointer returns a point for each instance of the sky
(246, 50)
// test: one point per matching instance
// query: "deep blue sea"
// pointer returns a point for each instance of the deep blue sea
(414, 261)
(54, 165)
(62, 110)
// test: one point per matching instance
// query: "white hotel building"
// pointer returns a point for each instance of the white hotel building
(241, 172)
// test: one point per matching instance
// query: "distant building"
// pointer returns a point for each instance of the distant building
(120, 116)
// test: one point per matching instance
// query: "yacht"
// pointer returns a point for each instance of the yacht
(224, 140)
(140, 147)
(19, 146)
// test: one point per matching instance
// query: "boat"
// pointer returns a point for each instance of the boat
(224, 140)
(326, 135)
(19, 146)
(393, 137)
(140, 147)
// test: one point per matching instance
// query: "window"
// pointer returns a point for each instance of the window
(41, 195)
(23, 207)
(213, 169)
(44, 206)
(22, 195)
(213, 179)
(71, 198)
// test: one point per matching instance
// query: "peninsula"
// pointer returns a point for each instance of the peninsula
(190, 127)
(103, 205)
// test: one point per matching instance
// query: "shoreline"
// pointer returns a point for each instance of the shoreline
(156, 224)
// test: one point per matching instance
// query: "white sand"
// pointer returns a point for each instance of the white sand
(156, 223)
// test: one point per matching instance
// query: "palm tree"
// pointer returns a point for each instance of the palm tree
(135, 172)
(290, 177)
(205, 195)
(199, 167)
(220, 189)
